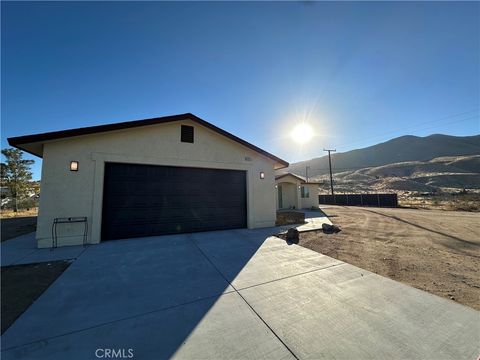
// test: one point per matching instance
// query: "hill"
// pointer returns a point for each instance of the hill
(442, 174)
(407, 148)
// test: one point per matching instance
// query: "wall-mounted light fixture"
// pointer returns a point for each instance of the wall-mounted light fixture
(262, 175)
(73, 165)
(276, 186)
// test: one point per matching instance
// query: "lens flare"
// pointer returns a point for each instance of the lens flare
(302, 133)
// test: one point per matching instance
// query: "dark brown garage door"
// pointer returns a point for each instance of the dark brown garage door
(144, 200)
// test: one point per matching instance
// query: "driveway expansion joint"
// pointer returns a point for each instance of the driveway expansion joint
(345, 308)
(112, 322)
(245, 300)
(291, 276)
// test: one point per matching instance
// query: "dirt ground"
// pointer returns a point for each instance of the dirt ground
(451, 202)
(8, 213)
(23, 284)
(432, 250)
(16, 226)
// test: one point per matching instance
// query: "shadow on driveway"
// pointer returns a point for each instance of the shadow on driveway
(234, 294)
(13, 227)
(149, 295)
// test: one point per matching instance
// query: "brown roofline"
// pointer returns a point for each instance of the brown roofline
(295, 176)
(291, 174)
(23, 149)
(19, 140)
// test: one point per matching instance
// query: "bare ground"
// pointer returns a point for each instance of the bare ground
(452, 202)
(16, 226)
(8, 213)
(23, 284)
(432, 250)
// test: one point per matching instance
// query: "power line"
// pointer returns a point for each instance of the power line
(393, 131)
(345, 168)
(330, 165)
(417, 126)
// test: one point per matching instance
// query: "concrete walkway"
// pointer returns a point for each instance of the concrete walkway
(234, 294)
(23, 250)
(313, 221)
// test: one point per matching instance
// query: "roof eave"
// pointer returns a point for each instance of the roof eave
(26, 149)
(20, 141)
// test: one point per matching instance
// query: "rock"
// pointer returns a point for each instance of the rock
(327, 228)
(292, 235)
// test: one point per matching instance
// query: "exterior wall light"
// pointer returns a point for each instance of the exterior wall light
(73, 165)
(262, 175)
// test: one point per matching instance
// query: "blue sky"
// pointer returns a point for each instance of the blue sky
(359, 73)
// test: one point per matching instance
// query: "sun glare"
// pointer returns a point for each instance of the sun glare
(302, 133)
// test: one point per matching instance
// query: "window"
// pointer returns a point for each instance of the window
(304, 191)
(187, 134)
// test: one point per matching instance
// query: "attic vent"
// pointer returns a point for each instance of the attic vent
(187, 134)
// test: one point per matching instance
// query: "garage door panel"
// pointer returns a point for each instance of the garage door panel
(174, 202)
(160, 215)
(144, 200)
(179, 223)
(144, 228)
(146, 189)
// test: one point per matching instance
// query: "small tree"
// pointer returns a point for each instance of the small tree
(16, 174)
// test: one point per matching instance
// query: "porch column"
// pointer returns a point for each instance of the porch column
(299, 198)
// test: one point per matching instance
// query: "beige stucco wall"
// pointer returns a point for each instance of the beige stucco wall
(65, 193)
(307, 203)
(292, 194)
(289, 196)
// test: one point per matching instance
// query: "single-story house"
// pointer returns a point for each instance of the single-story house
(150, 177)
(295, 192)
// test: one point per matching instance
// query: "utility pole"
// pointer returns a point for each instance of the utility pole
(330, 164)
(306, 172)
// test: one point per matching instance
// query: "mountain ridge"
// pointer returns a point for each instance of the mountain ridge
(397, 150)
(443, 174)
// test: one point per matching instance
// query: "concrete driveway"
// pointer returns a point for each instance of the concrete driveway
(232, 295)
